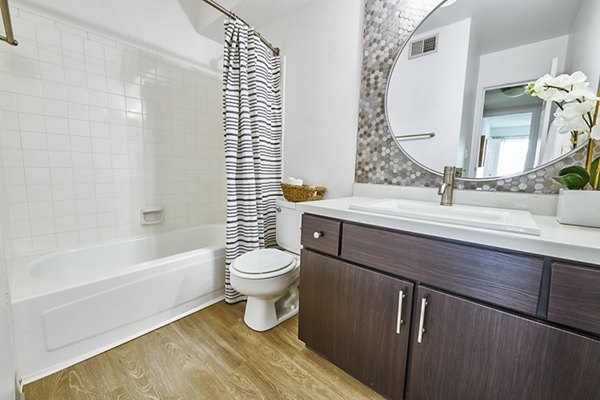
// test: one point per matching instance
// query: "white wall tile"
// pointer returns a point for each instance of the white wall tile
(50, 54)
(55, 108)
(33, 140)
(48, 35)
(94, 130)
(72, 42)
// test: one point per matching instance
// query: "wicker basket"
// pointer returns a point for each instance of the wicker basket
(299, 193)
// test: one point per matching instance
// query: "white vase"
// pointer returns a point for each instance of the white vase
(579, 207)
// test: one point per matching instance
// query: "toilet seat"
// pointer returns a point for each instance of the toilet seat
(264, 264)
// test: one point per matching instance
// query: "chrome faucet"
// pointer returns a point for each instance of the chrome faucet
(446, 189)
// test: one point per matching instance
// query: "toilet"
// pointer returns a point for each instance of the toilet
(269, 277)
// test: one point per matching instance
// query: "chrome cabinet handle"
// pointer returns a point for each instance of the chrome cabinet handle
(399, 320)
(422, 321)
(318, 235)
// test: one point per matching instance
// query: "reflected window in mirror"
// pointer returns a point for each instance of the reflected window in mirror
(510, 131)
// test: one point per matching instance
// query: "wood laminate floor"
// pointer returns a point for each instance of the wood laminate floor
(211, 354)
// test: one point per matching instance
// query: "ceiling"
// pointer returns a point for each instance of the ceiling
(502, 24)
(188, 29)
(208, 22)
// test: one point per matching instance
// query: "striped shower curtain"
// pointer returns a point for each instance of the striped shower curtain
(252, 123)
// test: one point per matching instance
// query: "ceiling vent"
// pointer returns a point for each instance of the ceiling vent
(423, 47)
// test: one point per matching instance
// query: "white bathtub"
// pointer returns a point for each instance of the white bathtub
(71, 305)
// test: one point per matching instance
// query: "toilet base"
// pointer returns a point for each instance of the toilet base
(263, 314)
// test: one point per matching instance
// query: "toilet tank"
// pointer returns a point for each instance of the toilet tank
(288, 225)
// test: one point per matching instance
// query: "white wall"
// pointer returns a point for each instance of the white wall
(469, 103)
(583, 52)
(155, 24)
(95, 129)
(523, 63)
(7, 363)
(321, 41)
(422, 100)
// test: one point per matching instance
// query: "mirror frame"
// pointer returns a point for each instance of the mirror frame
(439, 173)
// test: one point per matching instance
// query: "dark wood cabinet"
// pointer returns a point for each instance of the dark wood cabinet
(484, 323)
(471, 351)
(501, 278)
(575, 297)
(358, 319)
(321, 234)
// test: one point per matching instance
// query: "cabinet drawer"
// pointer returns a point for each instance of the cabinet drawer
(508, 280)
(575, 297)
(321, 234)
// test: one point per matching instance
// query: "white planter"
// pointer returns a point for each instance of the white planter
(579, 207)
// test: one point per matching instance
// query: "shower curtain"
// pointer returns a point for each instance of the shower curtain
(252, 124)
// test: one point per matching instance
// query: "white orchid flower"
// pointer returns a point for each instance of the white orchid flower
(576, 101)
(581, 93)
(573, 116)
(563, 88)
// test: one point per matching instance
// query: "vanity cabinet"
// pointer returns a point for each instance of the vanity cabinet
(471, 351)
(477, 322)
(358, 319)
(575, 297)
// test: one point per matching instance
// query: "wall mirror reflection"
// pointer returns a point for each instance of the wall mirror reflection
(456, 94)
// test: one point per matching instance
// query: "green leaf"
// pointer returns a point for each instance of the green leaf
(593, 172)
(572, 180)
(575, 169)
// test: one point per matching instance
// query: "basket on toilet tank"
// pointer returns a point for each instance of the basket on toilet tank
(298, 193)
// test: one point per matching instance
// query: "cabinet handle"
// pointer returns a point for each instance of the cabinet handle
(317, 235)
(399, 320)
(422, 321)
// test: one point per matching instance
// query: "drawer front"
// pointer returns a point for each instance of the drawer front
(575, 297)
(321, 234)
(507, 280)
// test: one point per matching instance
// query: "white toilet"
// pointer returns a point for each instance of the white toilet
(269, 277)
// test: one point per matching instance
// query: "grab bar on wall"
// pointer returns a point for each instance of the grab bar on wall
(415, 136)
(9, 38)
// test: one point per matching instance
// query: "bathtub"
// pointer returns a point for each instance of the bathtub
(73, 304)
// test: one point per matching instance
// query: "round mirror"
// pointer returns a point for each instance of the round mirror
(456, 94)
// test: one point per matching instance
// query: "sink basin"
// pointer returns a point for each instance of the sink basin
(480, 217)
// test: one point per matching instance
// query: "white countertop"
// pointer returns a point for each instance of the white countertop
(556, 240)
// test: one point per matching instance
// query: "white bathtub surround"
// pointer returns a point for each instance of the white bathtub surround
(253, 129)
(71, 305)
(94, 129)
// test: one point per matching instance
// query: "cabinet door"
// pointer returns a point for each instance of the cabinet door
(351, 316)
(470, 351)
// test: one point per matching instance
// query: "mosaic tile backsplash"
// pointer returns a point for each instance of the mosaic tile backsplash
(379, 160)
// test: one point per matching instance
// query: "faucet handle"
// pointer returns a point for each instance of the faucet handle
(442, 189)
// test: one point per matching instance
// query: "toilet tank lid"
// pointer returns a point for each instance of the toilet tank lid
(282, 202)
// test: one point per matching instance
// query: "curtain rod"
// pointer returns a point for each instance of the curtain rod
(10, 38)
(225, 11)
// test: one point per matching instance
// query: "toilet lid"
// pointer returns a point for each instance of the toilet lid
(263, 261)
